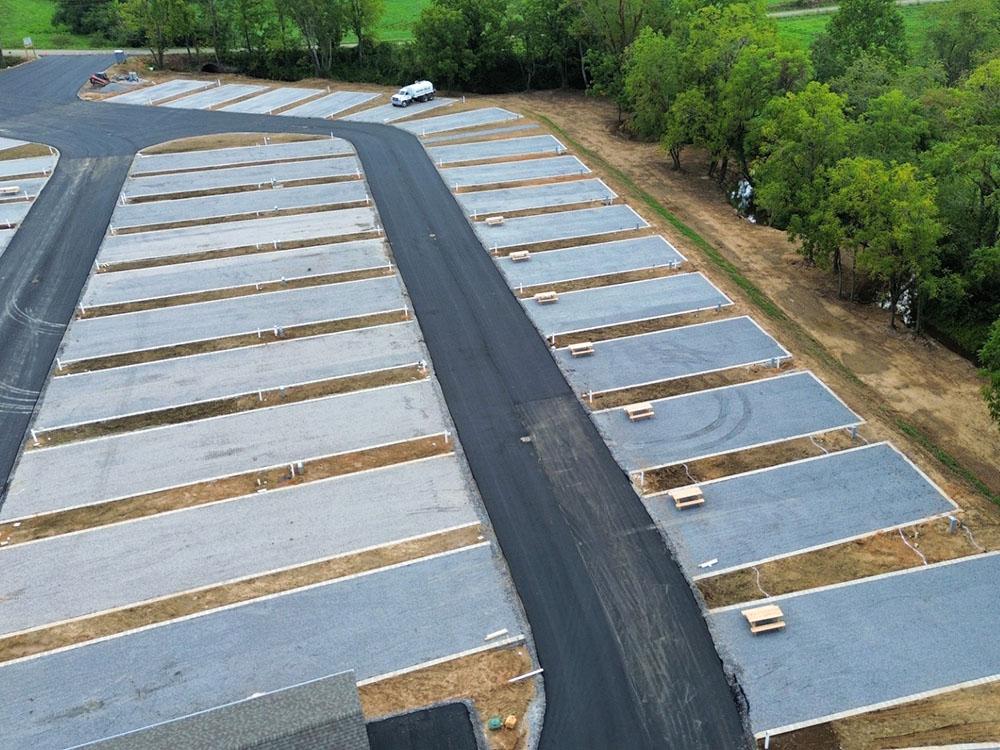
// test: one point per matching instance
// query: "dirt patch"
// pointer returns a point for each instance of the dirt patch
(27, 151)
(246, 402)
(648, 326)
(881, 553)
(232, 252)
(201, 493)
(961, 716)
(702, 470)
(180, 605)
(481, 678)
(232, 342)
(597, 281)
(234, 291)
(677, 386)
(225, 140)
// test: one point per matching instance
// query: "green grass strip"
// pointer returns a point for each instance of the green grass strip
(765, 304)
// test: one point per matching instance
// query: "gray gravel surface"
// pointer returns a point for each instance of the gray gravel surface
(111, 287)
(252, 175)
(164, 243)
(792, 507)
(216, 96)
(562, 225)
(868, 642)
(331, 104)
(529, 145)
(269, 101)
(598, 259)
(624, 303)
(483, 202)
(76, 575)
(236, 156)
(665, 355)
(135, 389)
(203, 321)
(721, 420)
(133, 463)
(373, 624)
(468, 119)
(517, 171)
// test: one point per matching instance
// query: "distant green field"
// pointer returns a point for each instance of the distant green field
(34, 18)
(917, 19)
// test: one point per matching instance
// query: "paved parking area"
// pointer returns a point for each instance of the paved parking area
(239, 156)
(114, 287)
(563, 225)
(625, 303)
(666, 355)
(331, 104)
(215, 97)
(266, 103)
(722, 420)
(252, 176)
(484, 202)
(71, 576)
(389, 113)
(30, 165)
(374, 623)
(160, 92)
(136, 389)
(245, 233)
(120, 466)
(527, 146)
(795, 507)
(588, 261)
(874, 640)
(248, 203)
(517, 171)
(470, 119)
(169, 326)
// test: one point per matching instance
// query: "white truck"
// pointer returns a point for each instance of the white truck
(418, 91)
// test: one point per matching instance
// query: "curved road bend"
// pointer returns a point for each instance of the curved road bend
(629, 661)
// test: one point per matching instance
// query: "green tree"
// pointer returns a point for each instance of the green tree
(873, 26)
(607, 77)
(362, 18)
(962, 32)
(887, 218)
(614, 24)
(799, 136)
(688, 124)
(894, 128)
(649, 83)
(321, 24)
(543, 39)
(989, 358)
(462, 41)
(158, 22)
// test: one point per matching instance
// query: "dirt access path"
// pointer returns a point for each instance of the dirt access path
(918, 381)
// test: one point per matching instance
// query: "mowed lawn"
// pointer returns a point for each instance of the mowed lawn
(917, 19)
(34, 18)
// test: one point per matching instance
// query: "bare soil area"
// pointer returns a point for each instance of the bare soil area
(481, 678)
(180, 605)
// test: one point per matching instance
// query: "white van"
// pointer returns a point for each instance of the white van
(420, 91)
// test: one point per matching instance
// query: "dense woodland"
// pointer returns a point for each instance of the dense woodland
(882, 161)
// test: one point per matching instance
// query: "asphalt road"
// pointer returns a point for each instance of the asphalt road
(628, 659)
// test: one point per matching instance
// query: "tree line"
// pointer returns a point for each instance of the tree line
(881, 161)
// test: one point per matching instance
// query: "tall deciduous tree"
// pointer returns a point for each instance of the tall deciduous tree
(321, 23)
(650, 82)
(461, 41)
(989, 358)
(894, 128)
(800, 135)
(962, 31)
(873, 26)
(542, 35)
(159, 22)
(362, 18)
